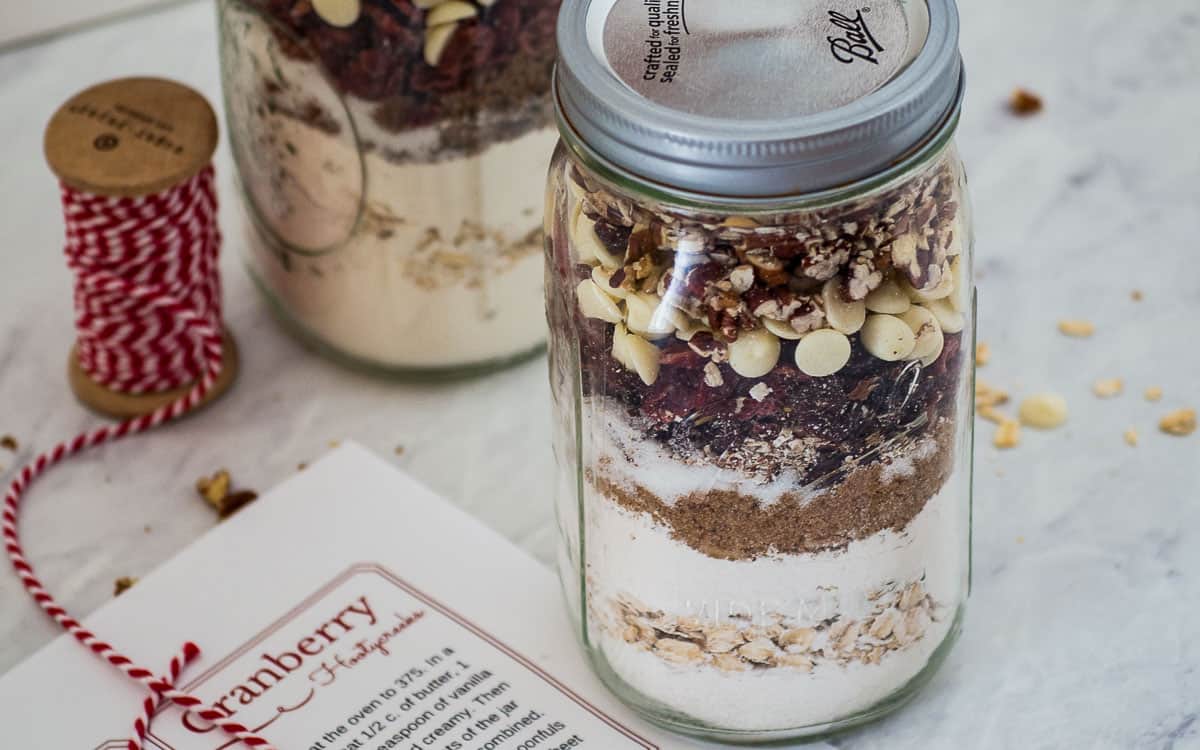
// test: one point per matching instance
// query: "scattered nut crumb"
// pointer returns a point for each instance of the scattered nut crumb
(1020, 540)
(1137, 295)
(302, 466)
(1180, 423)
(9, 443)
(1080, 329)
(123, 584)
(334, 443)
(399, 450)
(1044, 411)
(987, 395)
(215, 490)
(1024, 103)
(990, 414)
(1108, 388)
(983, 353)
(1131, 436)
(987, 398)
(760, 391)
(1154, 393)
(712, 375)
(1008, 434)
(146, 529)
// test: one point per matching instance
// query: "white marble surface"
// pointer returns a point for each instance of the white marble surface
(1084, 625)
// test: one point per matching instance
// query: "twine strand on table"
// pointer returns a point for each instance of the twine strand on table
(148, 319)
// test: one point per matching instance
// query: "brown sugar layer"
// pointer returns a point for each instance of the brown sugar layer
(732, 525)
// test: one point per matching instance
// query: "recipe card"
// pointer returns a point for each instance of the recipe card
(348, 609)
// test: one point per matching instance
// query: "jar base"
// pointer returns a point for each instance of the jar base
(316, 344)
(679, 723)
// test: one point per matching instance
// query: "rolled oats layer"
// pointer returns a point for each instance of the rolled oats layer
(900, 615)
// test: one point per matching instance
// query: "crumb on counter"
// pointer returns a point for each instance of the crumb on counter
(1024, 103)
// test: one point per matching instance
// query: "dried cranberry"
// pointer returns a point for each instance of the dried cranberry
(615, 238)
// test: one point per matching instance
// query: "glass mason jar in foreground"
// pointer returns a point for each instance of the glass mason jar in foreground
(760, 297)
(391, 155)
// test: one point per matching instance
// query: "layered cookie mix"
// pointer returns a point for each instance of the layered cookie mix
(769, 435)
(393, 153)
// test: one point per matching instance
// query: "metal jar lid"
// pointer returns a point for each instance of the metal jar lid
(756, 98)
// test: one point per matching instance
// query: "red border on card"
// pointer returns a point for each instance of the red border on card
(462, 621)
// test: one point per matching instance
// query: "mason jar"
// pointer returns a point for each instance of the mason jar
(759, 288)
(390, 155)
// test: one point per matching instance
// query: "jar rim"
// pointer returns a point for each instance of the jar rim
(688, 154)
(923, 154)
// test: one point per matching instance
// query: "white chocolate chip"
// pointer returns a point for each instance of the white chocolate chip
(647, 315)
(603, 279)
(951, 320)
(645, 358)
(958, 294)
(888, 298)
(686, 328)
(755, 353)
(338, 12)
(930, 339)
(583, 249)
(845, 316)
(450, 12)
(636, 353)
(888, 338)
(782, 328)
(1045, 411)
(588, 245)
(822, 353)
(620, 351)
(596, 304)
(942, 290)
(436, 40)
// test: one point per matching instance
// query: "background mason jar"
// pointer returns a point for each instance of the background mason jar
(390, 158)
(763, 428)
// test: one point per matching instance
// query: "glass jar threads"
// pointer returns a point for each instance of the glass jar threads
(760, 299)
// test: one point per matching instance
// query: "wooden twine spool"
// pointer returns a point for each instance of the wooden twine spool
(135, 138)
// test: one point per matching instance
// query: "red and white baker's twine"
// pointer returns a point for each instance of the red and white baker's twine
(148, 319)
